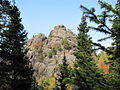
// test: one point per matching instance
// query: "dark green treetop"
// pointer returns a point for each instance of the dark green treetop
(85, 75)
(113, 15)
(13, 40)
(63, 74)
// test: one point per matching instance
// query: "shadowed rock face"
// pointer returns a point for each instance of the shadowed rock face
(47, 53)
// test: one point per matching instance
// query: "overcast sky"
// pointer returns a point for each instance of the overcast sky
(40, 16)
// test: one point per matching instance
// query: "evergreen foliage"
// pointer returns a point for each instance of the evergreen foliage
(85, 75)
(5, 72)
(5, 64)
(113, 15)
(13, 39)
(64, 73)
(16, 72)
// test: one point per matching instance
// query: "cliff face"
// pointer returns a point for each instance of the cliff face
(46, 53)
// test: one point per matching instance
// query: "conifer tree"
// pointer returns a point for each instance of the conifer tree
(115, 65)
(5, 64)
(64, 73)
(116, 29)
(114, 33)
(16, 39)
(85, 75)
(103, 27)
(13, 43)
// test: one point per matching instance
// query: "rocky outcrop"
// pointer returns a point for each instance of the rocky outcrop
(46, 53)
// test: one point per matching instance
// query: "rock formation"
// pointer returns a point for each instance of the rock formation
(46, 53)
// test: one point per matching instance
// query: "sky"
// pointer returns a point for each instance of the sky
(40, 16)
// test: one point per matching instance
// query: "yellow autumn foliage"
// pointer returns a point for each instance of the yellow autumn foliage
(47, 83)
(103, 62)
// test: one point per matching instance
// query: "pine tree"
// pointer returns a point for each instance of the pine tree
(114, 33)
(116, 29)
(4, 6)
(5, 64)
(13, 42)
(115, 65)
(16, 40)
(101, 21)
(85, 75)
(64, 73)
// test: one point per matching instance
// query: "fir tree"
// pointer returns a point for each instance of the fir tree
(64, 73)
(22, 75)
(85, 75)
(114, 33)
(115, 65)
(5, 65)
(101, 21)
(13, 42)
(116, 29)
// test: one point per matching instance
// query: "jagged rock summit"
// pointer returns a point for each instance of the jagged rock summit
(61, 31)
(46, 53)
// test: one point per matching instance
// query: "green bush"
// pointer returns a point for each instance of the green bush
(40, 55)
(52, 52)
(65, 43)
